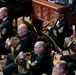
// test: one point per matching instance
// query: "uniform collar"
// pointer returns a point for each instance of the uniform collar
(4, 18)
(61, 18)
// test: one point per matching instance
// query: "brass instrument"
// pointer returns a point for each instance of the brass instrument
(49, 23)
(53, 43)
(14, 41)
(72, 37)
(27, 56)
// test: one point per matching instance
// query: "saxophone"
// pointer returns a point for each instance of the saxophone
(72, 37)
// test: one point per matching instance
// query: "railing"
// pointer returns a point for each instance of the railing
(44, 10)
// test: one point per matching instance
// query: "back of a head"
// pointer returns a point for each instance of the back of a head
(63, 64)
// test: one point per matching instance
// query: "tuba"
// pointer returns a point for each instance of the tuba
(72, 37)
(14, 41)
(27, 56)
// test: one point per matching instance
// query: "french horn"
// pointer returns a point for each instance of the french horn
(72, 37)
(27, 56)
(14, 41)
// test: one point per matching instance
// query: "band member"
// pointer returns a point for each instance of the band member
(6, 29)
(70, 59)
(39, 63)
(25, 44)
(60, 29)
(25, 40)
(61, 68)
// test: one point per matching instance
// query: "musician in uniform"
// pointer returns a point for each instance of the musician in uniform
(6, 29)
(25, 44)
(60, 29)
(70, 59)
(25, 40)
(61, 68)
(71, 4)
(39, 63)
